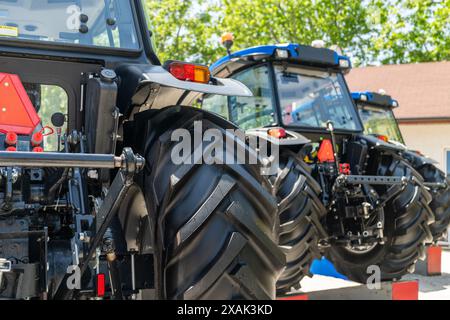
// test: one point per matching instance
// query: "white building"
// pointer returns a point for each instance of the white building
(423, 92)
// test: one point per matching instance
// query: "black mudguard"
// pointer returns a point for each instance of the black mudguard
(377, 144)
(417, 160)
(149, 86)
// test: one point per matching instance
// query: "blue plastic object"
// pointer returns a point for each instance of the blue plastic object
(268, 50)
(369, 97)
(324, 267)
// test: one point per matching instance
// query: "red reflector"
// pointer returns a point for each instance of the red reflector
(11, 138)
(344, 168)
(190, 72)
(100, 285)
(36, 139)
(384, 138)
(278, 133)
(38, 149)
(11, 149)
(295, 297)
(325, 153)
(17, 113)
(405, 290)
(434, 260)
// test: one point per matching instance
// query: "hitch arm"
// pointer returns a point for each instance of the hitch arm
(116, 193)
(130, 165)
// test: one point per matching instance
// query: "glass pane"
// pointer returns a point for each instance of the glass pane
(217, 104)
(312, 98)
(256, 111)
(105, 23)
(47, 100)
(380, 121)
(448, 162)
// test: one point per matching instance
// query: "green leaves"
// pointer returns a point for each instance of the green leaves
(370, 31)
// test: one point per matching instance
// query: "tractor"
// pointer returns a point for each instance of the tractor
(92, 204)
(343, 194)
(376, 112)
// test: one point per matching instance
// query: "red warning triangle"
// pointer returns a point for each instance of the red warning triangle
(325, 153)
(17, 113)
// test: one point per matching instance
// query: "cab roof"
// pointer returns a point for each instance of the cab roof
(375, 99)
(307, 55)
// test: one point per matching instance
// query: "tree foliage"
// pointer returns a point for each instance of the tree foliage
(371, 31)
(413, 31)
(183, 29)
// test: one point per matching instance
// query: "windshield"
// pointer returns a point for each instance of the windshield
(380, 121)
(310, 98)
(102, 23)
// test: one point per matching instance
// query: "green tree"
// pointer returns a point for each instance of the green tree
(370, 31)
(413, 31)
(184, 29)
(337, 22)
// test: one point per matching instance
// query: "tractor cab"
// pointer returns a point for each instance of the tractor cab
(297, 87)
(377, 115)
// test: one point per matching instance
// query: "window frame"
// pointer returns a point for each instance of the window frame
(270, 70)
(314, 129)
(447, 160)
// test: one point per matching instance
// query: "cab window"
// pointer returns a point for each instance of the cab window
(100, 23)
(256, 111)
(311, 98)
(47, 100)
(217, 104)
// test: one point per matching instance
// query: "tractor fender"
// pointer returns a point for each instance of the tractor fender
(418, 160)
(377, 144)
(149, 86)
(292, 138)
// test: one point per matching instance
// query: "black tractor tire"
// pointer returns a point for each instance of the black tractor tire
(300, 211)
(406, 229)
(440, 205)
(215, 225)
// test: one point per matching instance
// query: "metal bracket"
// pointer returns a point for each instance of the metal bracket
(132, 164)
(343, 180)
(436, 185)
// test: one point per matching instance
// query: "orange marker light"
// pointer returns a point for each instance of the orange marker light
(190, 72)
(278, 133)
(227, 36)
(11, 138)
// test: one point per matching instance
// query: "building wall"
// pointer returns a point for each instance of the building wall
(432, 140)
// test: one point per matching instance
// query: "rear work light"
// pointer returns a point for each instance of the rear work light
(189, 72)
(344, 63)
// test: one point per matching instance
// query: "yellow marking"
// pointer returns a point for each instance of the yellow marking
(6, 31)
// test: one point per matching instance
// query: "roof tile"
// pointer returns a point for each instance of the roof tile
(422, 89)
